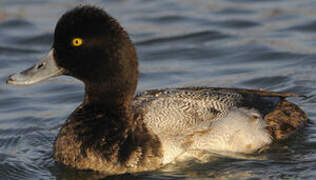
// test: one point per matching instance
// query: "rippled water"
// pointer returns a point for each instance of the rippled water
(230, 43)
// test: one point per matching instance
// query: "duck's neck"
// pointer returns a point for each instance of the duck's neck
(110, 97)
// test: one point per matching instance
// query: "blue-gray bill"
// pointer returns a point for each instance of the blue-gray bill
(45, 69)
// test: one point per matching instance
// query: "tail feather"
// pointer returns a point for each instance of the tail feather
(285, 120)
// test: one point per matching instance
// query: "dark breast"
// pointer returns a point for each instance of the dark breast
(101, 141)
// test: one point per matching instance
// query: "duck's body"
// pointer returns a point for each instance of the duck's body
(115, 132)
(171, 122)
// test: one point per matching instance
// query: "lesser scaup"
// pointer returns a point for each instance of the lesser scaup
(115, 131)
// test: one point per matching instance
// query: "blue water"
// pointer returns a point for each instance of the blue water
(229, 43)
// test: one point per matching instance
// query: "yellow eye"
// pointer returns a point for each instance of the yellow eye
(77, 42)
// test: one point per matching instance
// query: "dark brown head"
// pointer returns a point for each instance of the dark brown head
(91, 46)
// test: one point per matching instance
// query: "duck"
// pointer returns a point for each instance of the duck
(116, 130)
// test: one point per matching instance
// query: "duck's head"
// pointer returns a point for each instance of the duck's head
(91, 46)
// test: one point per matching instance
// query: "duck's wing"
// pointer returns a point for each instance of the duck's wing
(243, 91)
(282, 117)
(179, 112)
